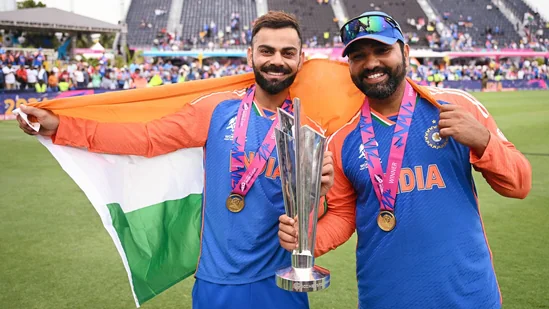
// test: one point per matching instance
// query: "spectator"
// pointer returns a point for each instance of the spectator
(63, 85)
(42, 74)
(138, 80)
(21, 59)
(96, 79)
(79, 78)
(53, 82)
(38, 58)
(87, 78)
(2, 78)
(21, 76)
(32, 77)
(41, 86)
(156, 80)
(107, 81)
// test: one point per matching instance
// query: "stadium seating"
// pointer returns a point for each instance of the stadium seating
(519, 8)
(315, 19)
(196, 15)
(401, 10)
(154, 12)
(481, 18)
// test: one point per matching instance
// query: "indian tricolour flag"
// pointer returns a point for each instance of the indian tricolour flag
(152, 207)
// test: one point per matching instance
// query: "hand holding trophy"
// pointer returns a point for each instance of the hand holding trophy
(300, 155)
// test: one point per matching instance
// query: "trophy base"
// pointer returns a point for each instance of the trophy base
(303, 279)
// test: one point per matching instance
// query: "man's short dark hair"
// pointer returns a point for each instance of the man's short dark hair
(276, 20)
(401, 44)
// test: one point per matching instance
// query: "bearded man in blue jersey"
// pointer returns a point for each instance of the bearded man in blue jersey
(403, 180)
(242, 193)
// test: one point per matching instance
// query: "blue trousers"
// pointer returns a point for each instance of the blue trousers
(262, 294)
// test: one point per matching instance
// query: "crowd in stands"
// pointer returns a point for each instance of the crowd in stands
(210, 36)
(235, 35)
(535, 28)
(79, 75)
(21, 70)
(456, 38)
(413, 37)
(458, 34)
(453, 39)
(20, 57)
(507, 69)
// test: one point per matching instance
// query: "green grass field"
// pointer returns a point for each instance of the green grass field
(55, 253)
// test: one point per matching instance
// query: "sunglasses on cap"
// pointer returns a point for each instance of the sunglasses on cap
(365, 25)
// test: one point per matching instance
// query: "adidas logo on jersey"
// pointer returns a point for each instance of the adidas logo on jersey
(230, 127)
(362, 157)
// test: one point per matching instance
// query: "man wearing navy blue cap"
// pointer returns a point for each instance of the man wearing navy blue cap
(403, 180)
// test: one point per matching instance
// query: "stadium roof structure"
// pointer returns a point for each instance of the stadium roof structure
(53, 19)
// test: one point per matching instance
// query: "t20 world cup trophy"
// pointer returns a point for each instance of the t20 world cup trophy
(300, 155)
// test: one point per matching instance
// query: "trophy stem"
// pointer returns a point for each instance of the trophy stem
(302, 260)
(298, 144)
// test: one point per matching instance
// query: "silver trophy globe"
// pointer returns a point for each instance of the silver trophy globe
(300, 154)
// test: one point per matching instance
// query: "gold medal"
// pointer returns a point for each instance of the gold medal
(386, 221)
(235, 202)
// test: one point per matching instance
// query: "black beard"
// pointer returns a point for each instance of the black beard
(381, 90)
(270, 86)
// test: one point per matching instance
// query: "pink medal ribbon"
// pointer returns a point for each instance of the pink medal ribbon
(386, 185)
(242, 179)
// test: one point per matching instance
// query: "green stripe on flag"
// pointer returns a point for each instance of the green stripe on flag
(161, 242)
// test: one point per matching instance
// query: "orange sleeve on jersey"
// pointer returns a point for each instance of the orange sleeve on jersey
(504, 167)
(337, 225)
(184, 129)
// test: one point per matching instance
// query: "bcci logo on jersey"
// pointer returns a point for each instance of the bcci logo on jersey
(433, 139)
(230, 127)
